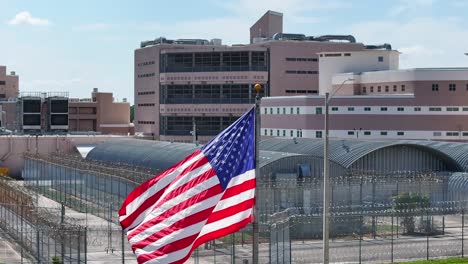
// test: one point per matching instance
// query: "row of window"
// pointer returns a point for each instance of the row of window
(301, 59)
(208, 93)
(145, 104)
(387, 88)
(291, 133)
(318, 110)
(452, 87)
(319, 133)
(301, 72)
(146, 75)
(213, 61)
(146, 93)
(206, 125)
(301, 91)
(291, 111)
(146, 122)
(145, 63)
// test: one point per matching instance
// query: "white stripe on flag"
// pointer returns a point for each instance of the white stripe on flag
(161, 184)
(173, 202)
(225, 222)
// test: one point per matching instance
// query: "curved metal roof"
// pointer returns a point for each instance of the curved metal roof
(345, 152)
(161, 155)
(158, 155)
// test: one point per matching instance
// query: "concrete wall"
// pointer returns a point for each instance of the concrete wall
(13, 147)
(363, 61)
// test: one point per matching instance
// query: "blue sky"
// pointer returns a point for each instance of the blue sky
(57, 45)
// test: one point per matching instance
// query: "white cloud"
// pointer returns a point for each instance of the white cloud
(424, 42)
(405, 6)
(93, 27)
(25, 18)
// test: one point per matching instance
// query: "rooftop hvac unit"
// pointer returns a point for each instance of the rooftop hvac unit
(217, 42)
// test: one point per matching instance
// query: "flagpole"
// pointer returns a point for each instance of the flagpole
(255, 230)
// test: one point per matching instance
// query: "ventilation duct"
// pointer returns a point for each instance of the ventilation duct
(383, 46)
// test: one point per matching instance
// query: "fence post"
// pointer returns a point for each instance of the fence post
(123, 247)
(86, 245)
(360, 237)
(427, 236)
(233, 238)
(463, 233)
(62, 222)
(392, 240)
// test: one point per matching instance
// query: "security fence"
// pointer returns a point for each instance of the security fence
(366, 224)
(38, 234)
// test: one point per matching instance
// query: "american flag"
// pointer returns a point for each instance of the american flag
(207, 195)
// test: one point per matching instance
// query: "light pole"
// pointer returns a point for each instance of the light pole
(326, 179)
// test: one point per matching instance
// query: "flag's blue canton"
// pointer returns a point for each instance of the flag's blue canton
(232, 152)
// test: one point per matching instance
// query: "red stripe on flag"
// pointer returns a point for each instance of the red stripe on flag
(215, 234)
(235, 190)
(176, 209)
(180, 244)
(153, 199)
(232, 210)
(146, 185)
(181, 224)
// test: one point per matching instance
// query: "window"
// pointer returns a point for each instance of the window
(284, 110)
(435, 87)
(367, 133)
(437, 134)
(452, 134)
(350, 133)
(284, 133)
(372, 89)
(318, 134)
(298, 133)
(383, 133)
(297, 110)
(452, 109)
(435, 109)
(383, 109)
(347, 54)
(292, 110)
(364, 90)
(417, 109)
(277, 133)
(380, 58)
(394, 88)
(277, 111)
(2, 82)
(367, 109)
(467, 86)
(399, 133)
(452, 87)
(266, 111)
(318, 110)
(400, 109)
(403, 87)
(350, 109)
(291, 133)
(387, 88)
(271, 132)
(465, 108)
(379, 89)
(334, 109)
(266, 132)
